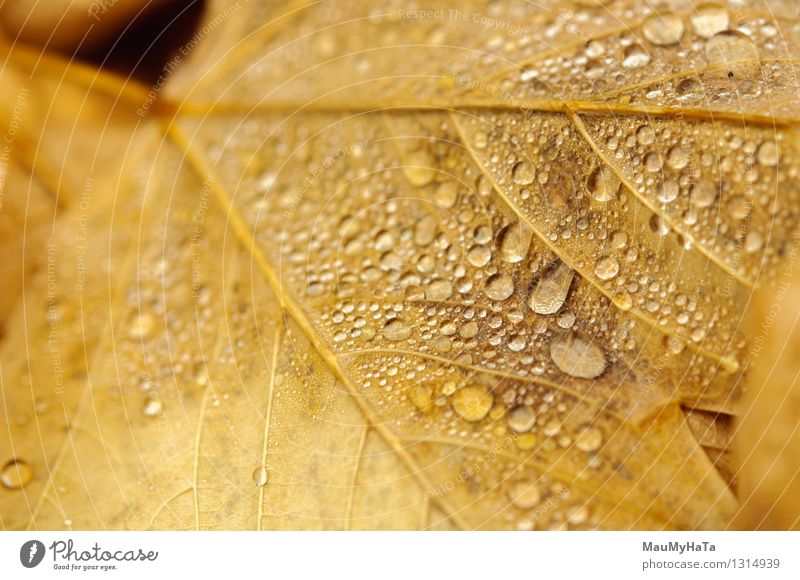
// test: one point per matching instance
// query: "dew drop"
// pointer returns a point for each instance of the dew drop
(524, 173)
(677, 158)
(260, 476)
(703, 194)
(16, 474)
(472, 403)
(551, 291)
(753, 242)
(607, 268)
(395, 330)
(514, 241)
(589, 440)
(578, 357)
(499, 287)
(730, 46)
(635, 57)
(521, 419)
(421, 397)
(419, 169)
(668, 191)
(603, 184)
(446, 194)
(709, 19)
(439, 290)
(152, 407)
(663, 29)
(767, 154)
(141, 325)
(479, 256)
(525, 495)
(645, 135)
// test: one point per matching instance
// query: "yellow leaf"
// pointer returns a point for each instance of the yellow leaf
(389, 268)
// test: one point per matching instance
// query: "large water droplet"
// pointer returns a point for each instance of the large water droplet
(438, 290)
(635, 56)
(260, 476)
(525, 495)
(499, 287)
(603, 184)
(552, 289)
(730, 46)
(472, 403)
(607, 268)
(514, 241)
(16, 474)
(663, 29)
(709, 19)
(589, 440)
(524, 173)
(767, 154)
(395, 329)
(578, 357)
(521, 419)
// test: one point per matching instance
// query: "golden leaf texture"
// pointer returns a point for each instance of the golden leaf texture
(402, 266)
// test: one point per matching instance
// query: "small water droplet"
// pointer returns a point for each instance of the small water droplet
(421, 396)
(703, 194)
(419, 169)
(16, 474)
(152, 407)
(141, 325)
(677, 158)
(479, 256)
(668, 191)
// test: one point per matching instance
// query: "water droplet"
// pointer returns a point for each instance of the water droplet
(425, 231)
(730, 46)
(677, 158)
(578, 357)
(635, 56)
(603, 184)
(753, 242)
(709, 19)
(524, 173)
(589, 440)
(653, 162)
(703, 194)
(438, 290)
(260, 476)
(395, 330)
(645, 135)
(446, 194)
(419, 169)
(499, 287)
(668, 191)
(472, 403)
(479, 256)
(514, 241)
(521, 419)
(421, 397)
(768, 154)
(607, 268)
(152, 407)
(525, 495)
(663, 29)
(552, 289)
(141, 325)
(16, 474)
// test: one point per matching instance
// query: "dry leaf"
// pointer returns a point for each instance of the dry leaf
(406, 267)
